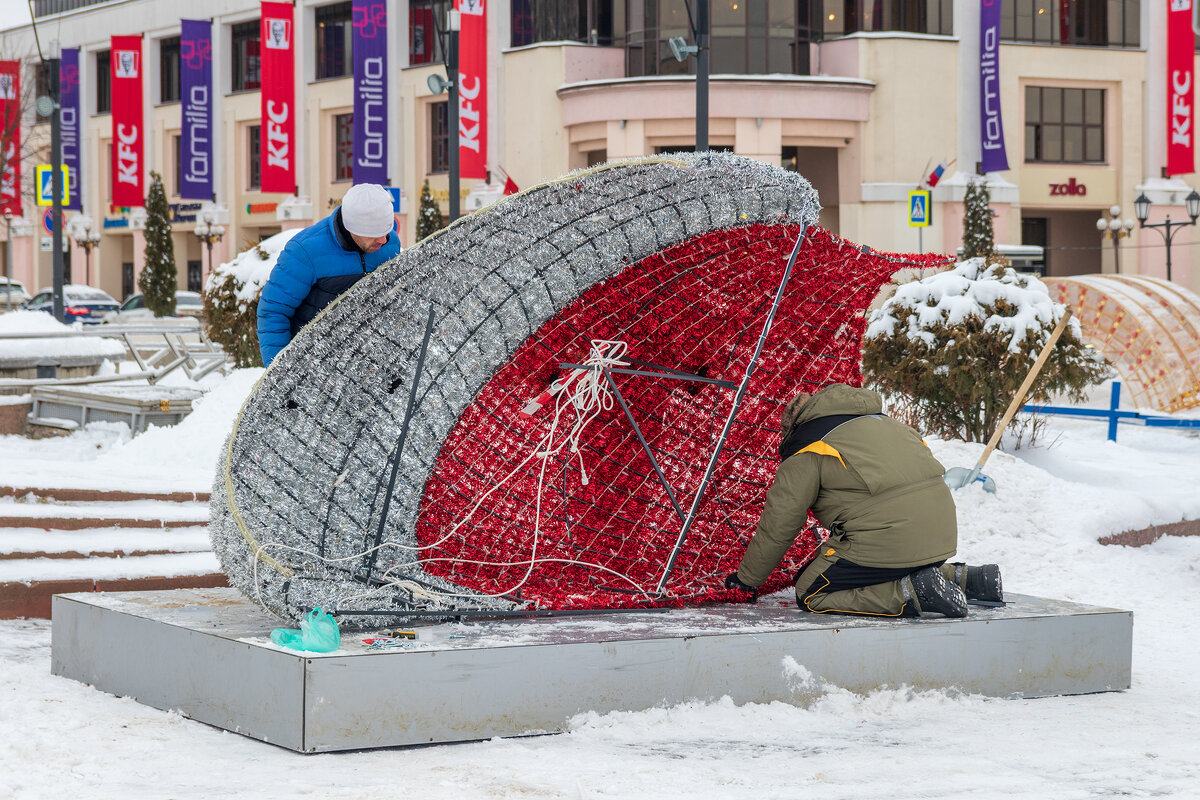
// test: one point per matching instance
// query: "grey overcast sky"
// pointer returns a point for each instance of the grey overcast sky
(13, 13)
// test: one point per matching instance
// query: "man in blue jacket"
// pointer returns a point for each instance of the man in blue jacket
(324, 260)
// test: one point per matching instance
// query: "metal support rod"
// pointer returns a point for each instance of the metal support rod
(396, 452)
(484, 612)
(737, 402)
(673, 375)
(645, 445)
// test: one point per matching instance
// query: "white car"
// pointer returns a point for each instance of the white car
(134, 311)
(13, 291)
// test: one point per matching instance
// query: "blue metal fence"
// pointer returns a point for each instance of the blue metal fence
(1115, 415)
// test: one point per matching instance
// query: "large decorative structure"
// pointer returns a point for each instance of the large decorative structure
(1148, 328)
(569, 400)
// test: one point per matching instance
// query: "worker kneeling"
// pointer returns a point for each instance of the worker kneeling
(872, 482)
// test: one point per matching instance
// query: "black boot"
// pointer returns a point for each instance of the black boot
(979, 583)
(934, 593)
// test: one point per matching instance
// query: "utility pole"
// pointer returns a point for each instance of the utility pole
(702, 38)
(454, 24)
(56, 180)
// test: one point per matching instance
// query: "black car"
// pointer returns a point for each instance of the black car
(80, 303)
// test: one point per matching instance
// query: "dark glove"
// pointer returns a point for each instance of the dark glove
(735, 583)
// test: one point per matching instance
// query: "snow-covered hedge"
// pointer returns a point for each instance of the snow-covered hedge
(231, 298)
(954, 348)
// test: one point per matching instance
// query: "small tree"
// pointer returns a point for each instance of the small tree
(159, 278)
(429, 216)
(978, 237)
(952, 349)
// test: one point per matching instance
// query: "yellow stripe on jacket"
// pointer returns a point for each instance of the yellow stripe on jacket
(822, 449)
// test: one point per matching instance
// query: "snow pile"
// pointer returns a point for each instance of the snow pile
(1011, 303)
(251, 268)
(31, 322)
(18, 353)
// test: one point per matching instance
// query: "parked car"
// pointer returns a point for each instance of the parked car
(80, 303)
(12, 290)
(133, 310)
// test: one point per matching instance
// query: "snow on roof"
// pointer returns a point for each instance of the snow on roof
(968, 290)
(250, 268)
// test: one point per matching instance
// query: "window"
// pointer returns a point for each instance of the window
(177, 163)
(439, 137)
(424, 46)
(1098, 23)
(41, 79)
(245, 38)
(168, 70)
(195, 276)
(103, 82)
(126, 278)
(1064, 125)
(253, 156)
(343, 147)
(333, 41)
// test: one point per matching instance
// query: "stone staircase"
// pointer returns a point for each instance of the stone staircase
(55, 541)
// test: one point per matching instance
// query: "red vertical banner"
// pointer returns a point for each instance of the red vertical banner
(1181, 91)
(128, 122)
(278, 137)
(472, 89)
(10, 137)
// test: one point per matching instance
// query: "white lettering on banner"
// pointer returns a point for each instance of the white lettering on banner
(992, 135)
(70, 132)
(8, 176)
(468, 135)
(127, 157)
(196, 113)
(371, 89)
(1181, 109)
(277, 140)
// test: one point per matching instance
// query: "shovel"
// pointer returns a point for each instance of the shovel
(958, 477)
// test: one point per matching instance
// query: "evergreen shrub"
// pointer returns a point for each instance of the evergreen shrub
(159, 278)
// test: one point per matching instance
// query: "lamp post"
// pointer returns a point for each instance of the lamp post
(8, 215)
(437, 84)
(209, 233)
(1167, 229)
(681, 50)
(86, 238)
(1115, 228)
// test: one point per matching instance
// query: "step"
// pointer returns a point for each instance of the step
(26, 543)
(75, 495)
(33, 599)
(78, 515)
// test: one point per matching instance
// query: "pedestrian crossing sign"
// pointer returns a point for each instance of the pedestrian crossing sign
(920, 209)
(45, 184)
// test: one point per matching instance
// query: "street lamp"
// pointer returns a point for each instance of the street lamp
(209, 233)
(1115, 228)
(1167, 229)
(86, 238)
(680, 49)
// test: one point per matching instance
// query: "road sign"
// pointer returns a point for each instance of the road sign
(45, 189)
(920, 209)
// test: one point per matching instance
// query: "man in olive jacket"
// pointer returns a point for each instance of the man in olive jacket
(872, 482)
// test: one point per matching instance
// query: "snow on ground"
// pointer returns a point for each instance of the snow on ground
(60, 738)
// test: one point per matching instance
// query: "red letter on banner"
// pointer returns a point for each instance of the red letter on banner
(10, 137)
(128, 125)
(278, 134)
(472, 89)
(1181, 91)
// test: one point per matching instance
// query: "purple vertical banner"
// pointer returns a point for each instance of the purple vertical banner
(370, 91)
(71, 126)
(991, 132)
(195, 95)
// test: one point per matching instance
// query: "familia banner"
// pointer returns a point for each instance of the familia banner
(71, 125)
(370, 91)
(991, 130)
(195, 85)
(278, 98)
(10, 137)
(1181, 155)
(128, 123)
(472, 89)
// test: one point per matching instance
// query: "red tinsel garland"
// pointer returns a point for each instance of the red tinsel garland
(697, 307)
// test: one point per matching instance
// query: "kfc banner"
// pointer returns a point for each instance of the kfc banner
(991, 131)
(370, 91)
(1181, 157)
(278, 99)
(195, 86)
(70, 124)
(128, 125)
(10, 137)
(472, 89)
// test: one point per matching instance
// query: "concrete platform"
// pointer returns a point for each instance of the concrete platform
(206, 653)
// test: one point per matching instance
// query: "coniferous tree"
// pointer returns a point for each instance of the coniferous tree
(429, 216)
(159, 278)
(978, 237)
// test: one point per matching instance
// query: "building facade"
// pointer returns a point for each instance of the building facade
(863, 98)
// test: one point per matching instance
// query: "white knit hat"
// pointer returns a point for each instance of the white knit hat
(367, 210)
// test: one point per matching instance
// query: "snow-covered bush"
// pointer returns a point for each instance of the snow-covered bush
(231, 298)
(952, 349)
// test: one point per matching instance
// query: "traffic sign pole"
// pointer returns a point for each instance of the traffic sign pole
(56, 184)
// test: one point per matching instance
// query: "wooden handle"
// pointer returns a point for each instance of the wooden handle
(1020, 395)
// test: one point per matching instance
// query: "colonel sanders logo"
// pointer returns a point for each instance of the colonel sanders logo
(279, 34)
(126, 63)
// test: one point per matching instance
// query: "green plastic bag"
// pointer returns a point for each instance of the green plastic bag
(318, 634)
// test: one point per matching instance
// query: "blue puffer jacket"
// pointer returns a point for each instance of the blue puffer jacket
(316, 266)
